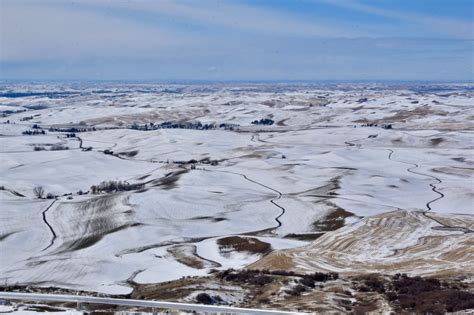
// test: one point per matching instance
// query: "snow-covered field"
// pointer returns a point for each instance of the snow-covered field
(226, 197)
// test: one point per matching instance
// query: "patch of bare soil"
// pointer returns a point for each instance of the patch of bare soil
(169, 181)
(242, 244)
(328, 189)
(168, 291)
(281, 123)
(129, 154)
(5, 236)
(305, 236)
(436, 141)
(463, 160)
(333, 221)
(275, 261)
(269, 103)
(143, 177)
(463, 172)
(397, 140)
(187, 255)
(212, 219)
(403, 115)
(11, 191)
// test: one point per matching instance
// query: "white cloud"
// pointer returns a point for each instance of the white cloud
(456, 28)
(54, 30)
(232, 15)
(36, 31)
(161, 39)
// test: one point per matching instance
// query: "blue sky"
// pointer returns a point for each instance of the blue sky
(237, 40)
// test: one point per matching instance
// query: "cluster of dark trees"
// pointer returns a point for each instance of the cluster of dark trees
(384, 126)
(115, 186)
(39, 193)
(26, 118)
(53, 148)
(37, 130)
(255, 277)
(322, 277)
(297, 290)
(71, 130)
(193, 161)
(34, 132)
(263, 121)
(308, 281)
(27, 94)
(186, 125)
(228, 126)
(207, 161)
(6, 113)
(204, 298)
(317, 276)
(262, 277)
(420, 295)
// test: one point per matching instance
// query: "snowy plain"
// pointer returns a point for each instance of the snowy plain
(326, 152)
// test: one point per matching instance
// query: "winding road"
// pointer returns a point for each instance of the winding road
(434, 189)
(273, 200)
(411, 170)
(49, 225)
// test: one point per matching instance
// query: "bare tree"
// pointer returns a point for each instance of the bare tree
(39, 191)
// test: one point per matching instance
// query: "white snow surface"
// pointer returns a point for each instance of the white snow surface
(270, 182)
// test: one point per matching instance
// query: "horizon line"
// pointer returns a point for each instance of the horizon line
(227, 81)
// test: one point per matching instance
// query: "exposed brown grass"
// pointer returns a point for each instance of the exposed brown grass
(243, 244)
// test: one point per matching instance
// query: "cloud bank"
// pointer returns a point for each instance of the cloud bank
(231, 40)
